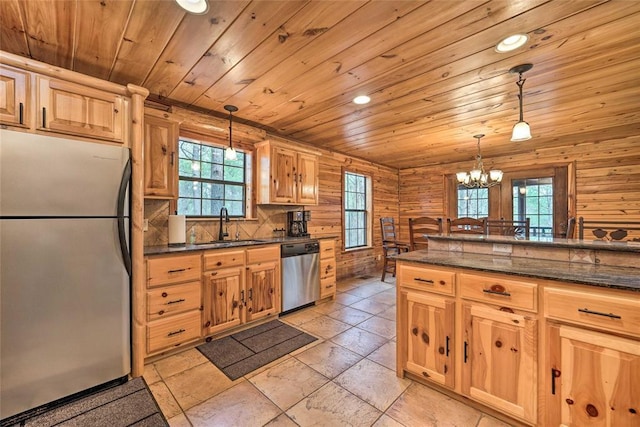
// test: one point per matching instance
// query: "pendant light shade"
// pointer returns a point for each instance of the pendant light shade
(230, 152)
(521, 130)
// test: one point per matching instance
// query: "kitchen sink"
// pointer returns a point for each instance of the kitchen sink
(229, 243)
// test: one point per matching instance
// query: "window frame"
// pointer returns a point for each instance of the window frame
(246, 184)
(368, 210)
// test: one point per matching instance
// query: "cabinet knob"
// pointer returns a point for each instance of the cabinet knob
(164, 295)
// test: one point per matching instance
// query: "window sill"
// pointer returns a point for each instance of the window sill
(359, 248)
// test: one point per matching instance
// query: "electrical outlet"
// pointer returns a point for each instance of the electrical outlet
(145, 225)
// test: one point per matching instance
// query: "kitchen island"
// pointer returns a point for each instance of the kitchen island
(546, 332)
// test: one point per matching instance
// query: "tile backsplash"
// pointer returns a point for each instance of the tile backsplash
(268, 219)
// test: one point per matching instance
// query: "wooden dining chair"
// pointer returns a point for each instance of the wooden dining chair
(418, 227)
(465, 225)
(508, 227)
(609, 230)
(390, 246)
(571, 228)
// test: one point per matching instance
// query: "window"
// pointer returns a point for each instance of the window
(207, 181)
(357, 207)
(473, 202)
(533, 199)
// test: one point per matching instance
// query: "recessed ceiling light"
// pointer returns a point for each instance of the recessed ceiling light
(197, 7)
(362, 99)
(511, 43)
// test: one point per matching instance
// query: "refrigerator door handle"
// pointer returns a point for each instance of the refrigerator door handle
(122, 194)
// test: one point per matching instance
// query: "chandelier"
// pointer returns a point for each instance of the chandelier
(477, 177)
(521, 130)
(230, 152)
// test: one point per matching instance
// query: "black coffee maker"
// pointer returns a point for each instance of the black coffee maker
(297, 223)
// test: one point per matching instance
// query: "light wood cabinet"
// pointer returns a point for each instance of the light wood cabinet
(173, 302)
(75, 109)
(262, 282)
(224, 299)
(499, 359)
(160, 161)
(327, 268)
(14, 97)
(286, 175)
(595, 379)
(429, 336)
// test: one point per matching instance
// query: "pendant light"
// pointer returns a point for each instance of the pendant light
(477, 177)
(230, 152)
(197, 7)
(521, 130)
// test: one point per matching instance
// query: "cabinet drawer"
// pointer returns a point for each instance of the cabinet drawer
(169, 300)
(327, 285)
(173, 269)
(223, 259)
(597, 309)
(327, 267)
(426, 279)
(173, 331)
(327, 249)
(263, 254)
(500, 291)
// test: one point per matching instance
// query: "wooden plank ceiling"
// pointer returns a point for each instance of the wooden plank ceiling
(293, 67)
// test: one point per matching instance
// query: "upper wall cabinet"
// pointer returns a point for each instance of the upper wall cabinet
(160, 162)
(14, 96)
(75, 109)
(287, 175)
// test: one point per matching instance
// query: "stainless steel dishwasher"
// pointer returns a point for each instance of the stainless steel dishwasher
(300, 274)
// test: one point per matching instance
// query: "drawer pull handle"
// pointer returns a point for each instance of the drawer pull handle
(177, 271)
(176, 301)
(44, 117)
(21, 113)
(489, 291)
(447, 347)
(466, 351)
(179, 331)
(597, 313)
(418, 279)
(554, 374)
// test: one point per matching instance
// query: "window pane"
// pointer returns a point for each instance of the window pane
(473, 202)
(208, 173)
(356, 206)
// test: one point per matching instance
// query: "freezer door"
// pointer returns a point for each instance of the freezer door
(47, 176)
(65, 309)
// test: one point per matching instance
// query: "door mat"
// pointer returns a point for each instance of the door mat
(126, 405)
(238, 354)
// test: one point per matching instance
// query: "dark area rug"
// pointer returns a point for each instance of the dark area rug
(238, 354)
(129, 404)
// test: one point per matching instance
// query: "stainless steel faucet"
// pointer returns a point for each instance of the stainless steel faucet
(222, 234)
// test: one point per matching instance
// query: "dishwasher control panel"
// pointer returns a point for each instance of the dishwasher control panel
(299, 248)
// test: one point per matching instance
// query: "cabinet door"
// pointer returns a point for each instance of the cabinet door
(499, 360)
(223, 299)
(160, 164)
(429, 337)
(595, 379)
(283, 170)
(307, 179)
(262, 290)
(75, 109)
(14, 95)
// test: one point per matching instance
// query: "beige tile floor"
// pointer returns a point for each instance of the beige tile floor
(345, 378)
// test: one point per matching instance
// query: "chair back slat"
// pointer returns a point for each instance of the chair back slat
(508, 227)
(418, 227)
(608, 230)
(465, 225)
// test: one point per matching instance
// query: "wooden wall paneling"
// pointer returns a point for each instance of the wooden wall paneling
(12, 31)
(148, 31)
(258, 22)
(183, 51)
(95, 55)
(300, 30)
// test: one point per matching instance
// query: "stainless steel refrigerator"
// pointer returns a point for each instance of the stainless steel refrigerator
(65, 268)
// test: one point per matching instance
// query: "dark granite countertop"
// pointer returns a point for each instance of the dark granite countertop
(227, 244)
(614, 277)
(622, 246)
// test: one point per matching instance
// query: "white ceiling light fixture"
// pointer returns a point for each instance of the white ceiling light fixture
(230, 153)
(197, 7)
(512, 42)
(361, 99)
(521, 130)
(477, 177)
